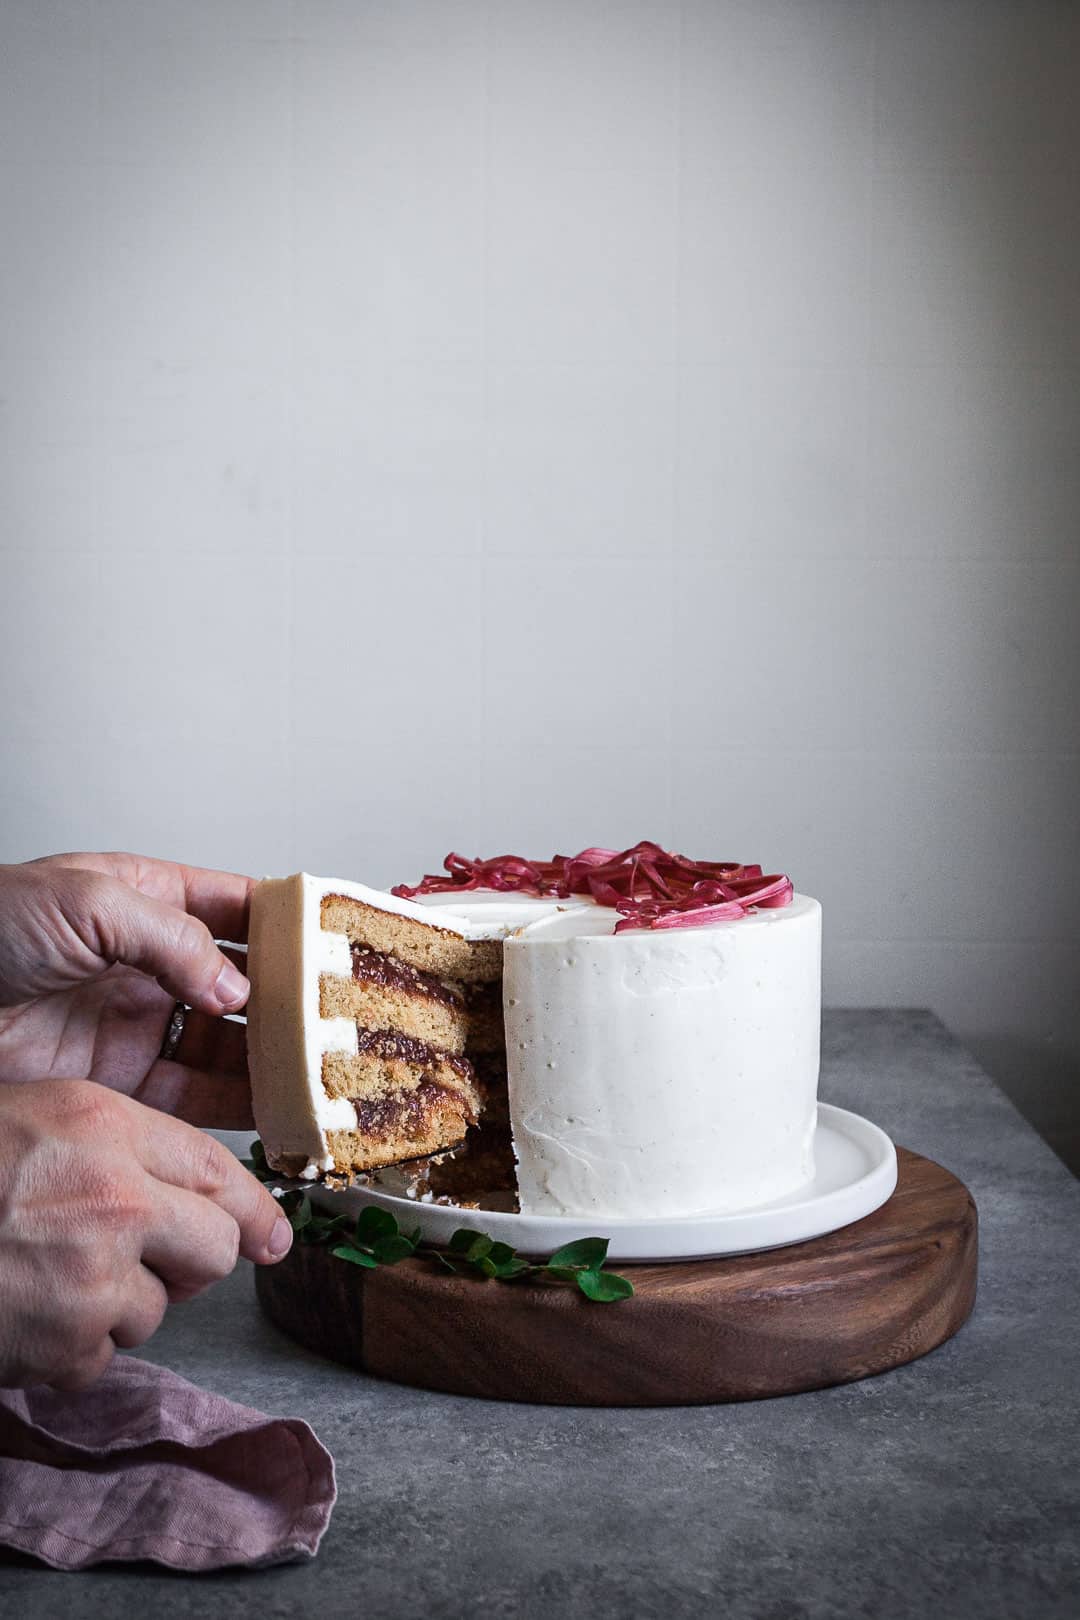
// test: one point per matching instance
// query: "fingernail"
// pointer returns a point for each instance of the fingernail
(230, 987)
(280, 1240)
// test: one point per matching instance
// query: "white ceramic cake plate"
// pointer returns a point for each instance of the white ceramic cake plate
(855, 1174)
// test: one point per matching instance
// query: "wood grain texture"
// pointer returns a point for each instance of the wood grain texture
(872, 1296)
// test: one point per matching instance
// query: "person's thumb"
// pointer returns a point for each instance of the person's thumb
(174, 948)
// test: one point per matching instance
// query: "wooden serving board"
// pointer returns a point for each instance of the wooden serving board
(880, 1292)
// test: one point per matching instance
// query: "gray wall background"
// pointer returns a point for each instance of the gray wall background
(522, 425)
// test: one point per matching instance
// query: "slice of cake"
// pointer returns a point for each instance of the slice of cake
(358, 1026)
(637, 1033)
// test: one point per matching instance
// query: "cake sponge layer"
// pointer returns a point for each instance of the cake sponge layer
(421, 945)
(385, 1063)
(406, 1125)
(375, 1006)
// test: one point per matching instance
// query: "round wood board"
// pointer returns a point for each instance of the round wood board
(880, 1292)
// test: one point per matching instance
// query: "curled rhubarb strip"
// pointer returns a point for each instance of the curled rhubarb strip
(648, 886)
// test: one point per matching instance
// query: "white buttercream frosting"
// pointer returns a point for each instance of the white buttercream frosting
(286, 1036)
(481, 914)
(663, 1072)
(492, 914)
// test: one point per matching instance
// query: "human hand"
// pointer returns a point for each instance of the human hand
(95, 951)
(109, 1210)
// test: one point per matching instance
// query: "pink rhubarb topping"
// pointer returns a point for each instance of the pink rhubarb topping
(648, 886)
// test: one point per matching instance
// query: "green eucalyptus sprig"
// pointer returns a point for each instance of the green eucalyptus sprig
(578, 1263)
(375, 1239)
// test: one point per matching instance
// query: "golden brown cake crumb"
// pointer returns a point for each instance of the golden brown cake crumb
(420, 945)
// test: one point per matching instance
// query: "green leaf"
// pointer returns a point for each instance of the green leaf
(323, 1228)
(296, 1209)
(373, 1223)
(604, 1286)
(358, 1257)
(507, 1270)
(561, 1273)
(465, 1241)
(500, 1253)
(589, 1252)
(414, 1237)
(463, 1238)
(389, 1250)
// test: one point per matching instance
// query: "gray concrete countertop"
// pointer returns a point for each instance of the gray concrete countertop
(947, 1488)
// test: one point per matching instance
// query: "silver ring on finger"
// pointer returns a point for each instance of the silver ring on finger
(174, 1034)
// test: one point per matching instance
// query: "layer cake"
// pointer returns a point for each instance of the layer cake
(668, 1067)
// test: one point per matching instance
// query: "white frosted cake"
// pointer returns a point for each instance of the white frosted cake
(667, 1068)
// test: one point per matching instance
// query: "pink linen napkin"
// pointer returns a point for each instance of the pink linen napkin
(145, 1465)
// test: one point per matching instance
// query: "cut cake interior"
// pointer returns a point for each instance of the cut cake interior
(374, 1035)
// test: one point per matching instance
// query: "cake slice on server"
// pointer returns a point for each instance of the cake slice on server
(358, 1025)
